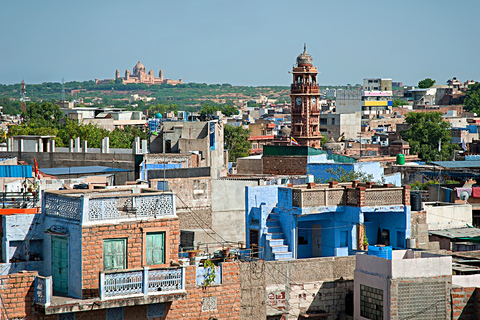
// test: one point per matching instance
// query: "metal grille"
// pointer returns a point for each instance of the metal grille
(63, 207)
(165, 280)
(115, 313)
(314, 198)
(66, 316)
(125, 283)
(209, 304)
(352, 196)
(375, 197)
(297, 198)
(155, 310)
(422, 300)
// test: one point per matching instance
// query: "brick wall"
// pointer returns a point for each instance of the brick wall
(133, 231)
(16, 293)
(285, 165)
(464, 303)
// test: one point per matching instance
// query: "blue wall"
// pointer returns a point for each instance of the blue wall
(319, 170)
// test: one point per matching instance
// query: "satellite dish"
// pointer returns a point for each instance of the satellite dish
(464, 195)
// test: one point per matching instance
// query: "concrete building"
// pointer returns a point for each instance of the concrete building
(203, 138)
(336, 125)
(325, 220)
(402, 287)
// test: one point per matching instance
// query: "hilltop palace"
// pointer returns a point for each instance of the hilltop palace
(139, 75)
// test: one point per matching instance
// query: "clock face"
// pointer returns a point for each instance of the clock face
(314, 101)
(298, 101)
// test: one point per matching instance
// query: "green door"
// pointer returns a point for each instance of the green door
(155, 248)
(60, 264)
(114, 254)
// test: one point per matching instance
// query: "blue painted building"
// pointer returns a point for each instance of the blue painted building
(327, 220)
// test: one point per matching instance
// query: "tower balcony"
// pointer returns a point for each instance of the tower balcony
(315, 112)
(305, 88)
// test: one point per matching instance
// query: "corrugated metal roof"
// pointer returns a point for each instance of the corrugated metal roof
(457, 233)
(81, 170)
(15, 171)
(458, 164)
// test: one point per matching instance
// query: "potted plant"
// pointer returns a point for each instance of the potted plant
(365, 242)
(193, 253)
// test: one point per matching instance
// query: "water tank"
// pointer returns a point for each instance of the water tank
(416, 201)
(411, 243)
(381, 252)
(400, 159)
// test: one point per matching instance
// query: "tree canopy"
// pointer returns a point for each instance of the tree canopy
(472, 98)
(426, 83)
(47, 119)
(236, 141)
(427, 131)
(227, 110)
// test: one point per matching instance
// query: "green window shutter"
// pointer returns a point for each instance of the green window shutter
(114, 254)
(155, 248)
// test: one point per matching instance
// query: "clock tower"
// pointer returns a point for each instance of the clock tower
(305, 95)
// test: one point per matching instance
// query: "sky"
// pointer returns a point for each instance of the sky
(247, 42)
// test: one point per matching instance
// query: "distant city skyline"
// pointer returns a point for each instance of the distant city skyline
(250, 43)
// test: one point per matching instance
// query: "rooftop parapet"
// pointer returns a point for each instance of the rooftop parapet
(94, 206)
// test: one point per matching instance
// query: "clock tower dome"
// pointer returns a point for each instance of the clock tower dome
(305, 95)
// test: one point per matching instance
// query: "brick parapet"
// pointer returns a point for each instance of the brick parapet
(285, 165)
(17, 292)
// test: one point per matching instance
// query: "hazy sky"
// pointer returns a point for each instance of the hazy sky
(239, 42)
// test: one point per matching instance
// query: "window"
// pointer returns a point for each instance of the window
(255, 145)
(333, 121)
(343, 238)
(155, 310)
(371, 302)
(155, 249)
(115, 313)
(66, 316)
(114, 254)
(323, 121)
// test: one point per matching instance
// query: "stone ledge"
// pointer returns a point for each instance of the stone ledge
(78, 305)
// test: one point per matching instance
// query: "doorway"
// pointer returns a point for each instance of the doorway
(60, 264)
(316, 240)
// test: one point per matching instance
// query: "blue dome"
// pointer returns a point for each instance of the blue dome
(158, 116)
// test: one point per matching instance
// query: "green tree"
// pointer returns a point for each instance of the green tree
(236, 141)
(472, 98)
(341, 175)
(426, 83)
(399, 102)
(426, 130)
(46, 114)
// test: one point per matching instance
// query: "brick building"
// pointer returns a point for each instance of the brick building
(113, 254)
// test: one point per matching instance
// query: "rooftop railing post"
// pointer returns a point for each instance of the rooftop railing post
(102, 286)
(183, 277)
(48, 290)
(145, 280)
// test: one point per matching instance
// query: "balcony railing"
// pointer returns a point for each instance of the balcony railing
(118, 284)
(326, 197)
(17, 200)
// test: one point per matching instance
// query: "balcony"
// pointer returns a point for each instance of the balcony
(117, 288)
(19, 202)
(92, 207)
(305, 88)
(349, 196)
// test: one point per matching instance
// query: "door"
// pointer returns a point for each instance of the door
(253, 240)
(60, 264)
(316, 240)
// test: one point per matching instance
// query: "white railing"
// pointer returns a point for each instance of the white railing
(130, 206)
(43, 290)
(115, 284)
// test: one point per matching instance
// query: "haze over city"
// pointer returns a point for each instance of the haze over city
(242, 43)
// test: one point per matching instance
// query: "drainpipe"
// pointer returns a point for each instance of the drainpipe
(296, 236)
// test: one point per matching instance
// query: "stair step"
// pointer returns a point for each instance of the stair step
(279, 248)
(273, 223)
(276, 242)
(282, 255)
(274, 235)
(274, 229)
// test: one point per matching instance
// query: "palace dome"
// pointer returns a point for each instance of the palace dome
(138, 67)
(304, 59)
